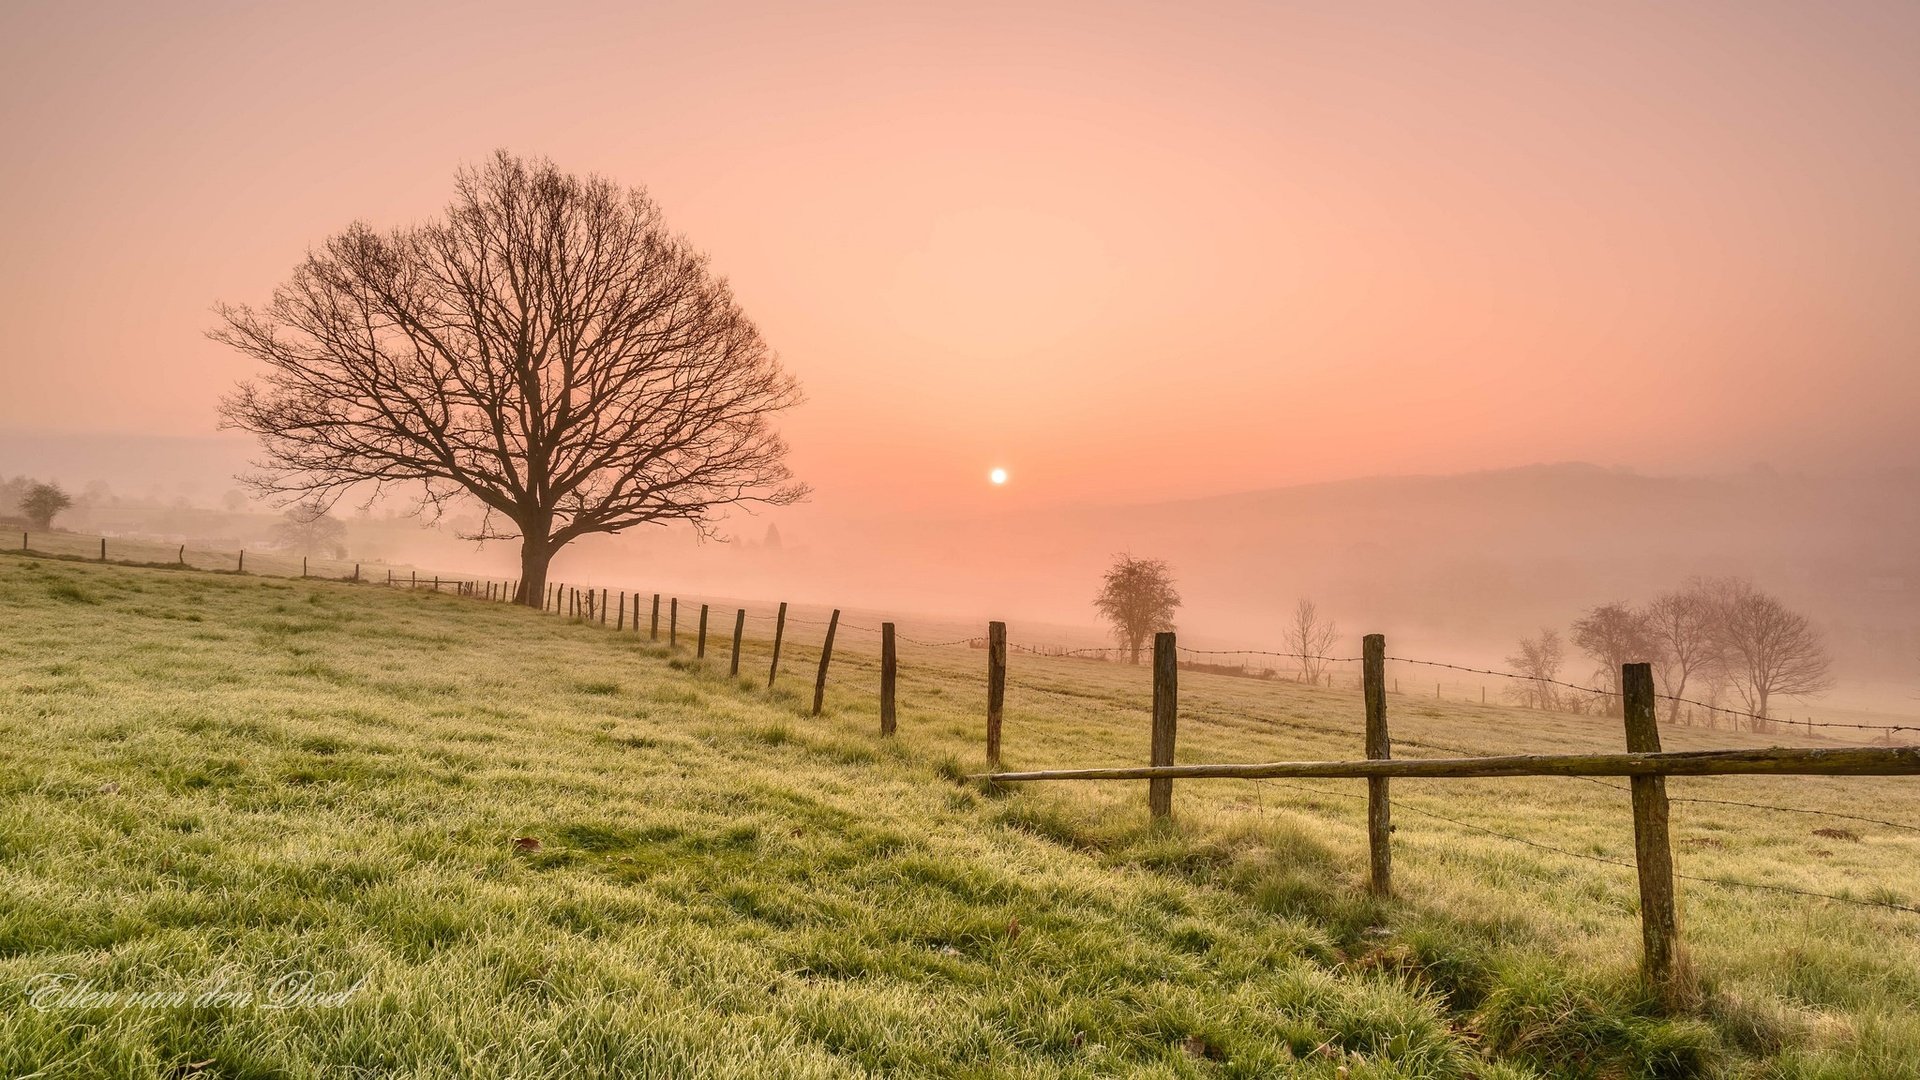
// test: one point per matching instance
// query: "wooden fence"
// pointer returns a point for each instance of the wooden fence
(1644, 763)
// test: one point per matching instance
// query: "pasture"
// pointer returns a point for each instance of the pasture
(492, 842)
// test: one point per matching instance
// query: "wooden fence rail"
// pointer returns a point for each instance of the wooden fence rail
(1644, 763)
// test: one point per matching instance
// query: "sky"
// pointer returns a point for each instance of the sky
(1125, 251)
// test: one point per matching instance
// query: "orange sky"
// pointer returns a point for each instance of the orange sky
(1127, 251)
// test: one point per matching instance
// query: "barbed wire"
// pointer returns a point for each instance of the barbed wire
(1598, 691)
(1610, 785)
(1071, 652)
(936, 644)
(1268, 652)
(1732, 883)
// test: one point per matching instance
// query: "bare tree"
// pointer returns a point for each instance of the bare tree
(308, 529)
(1538, 662)
(1614, 635)
(549, 349)
(42, 502)
(1137, 597)
(1770, 650)
(1311, 637)
(1683, 625)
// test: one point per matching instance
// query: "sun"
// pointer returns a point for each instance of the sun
(998, 476)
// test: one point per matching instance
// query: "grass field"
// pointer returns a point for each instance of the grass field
(258, 827)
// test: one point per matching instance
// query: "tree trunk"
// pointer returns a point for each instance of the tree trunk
(534, 557)
(1673, 706)
(1134, 645)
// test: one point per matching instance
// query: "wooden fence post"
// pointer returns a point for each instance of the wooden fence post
(739, 626)
(1373, 674)
(1659, 930)
(621, 622)
(779, 630)
(242, 568)
(103, 549)
(23, 542)
(889, 676)
(700, 643)
(603, 607)
(826, 654)
(181, 558)
(356, 571)
(303, 566)
(1166, 716)
(673, 622)
(996, 688)
(656, 616)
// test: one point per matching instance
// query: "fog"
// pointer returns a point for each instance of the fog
(1305, 303)
(1452, 567)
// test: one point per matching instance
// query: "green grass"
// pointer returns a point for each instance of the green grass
(214, 782)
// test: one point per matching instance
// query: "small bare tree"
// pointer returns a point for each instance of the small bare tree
(1770, 650)
(42, 502)
(548, 349)
(1538, 663)
(1137, 598)
(1615, 635)
(1683, 626)
(308, 529)
(1311, 637)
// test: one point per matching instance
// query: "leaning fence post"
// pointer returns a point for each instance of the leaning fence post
(996, 687)
(621, 622)
(739, 625)
(779, 630)
(1166, 716)
(700, 642)
(242, 568)
(889, 675)
(826, 654)
(1373, 674)
(656, 616)
(181, 558)
(1659, 930)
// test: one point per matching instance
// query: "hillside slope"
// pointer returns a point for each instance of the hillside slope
(495, 844)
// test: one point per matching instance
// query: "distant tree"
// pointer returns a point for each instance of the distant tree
(234, 500)
(1770, 651)
(308, 529)
(1137, 598)
(772, 539)
(1311, 637)
(42, 502)
(549, 348)
(1538, 663)
(1615, 635)
(1684, 625)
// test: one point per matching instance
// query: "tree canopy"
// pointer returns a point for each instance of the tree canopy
(1137, 598)
(547, 348)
